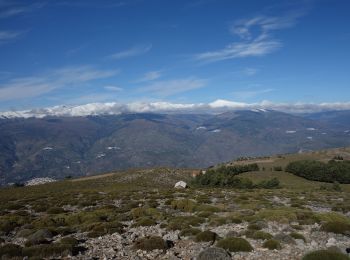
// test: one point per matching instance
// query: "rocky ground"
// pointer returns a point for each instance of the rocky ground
(130, 217)
(116, 246)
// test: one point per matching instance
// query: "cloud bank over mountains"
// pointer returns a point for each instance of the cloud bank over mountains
(217, 106)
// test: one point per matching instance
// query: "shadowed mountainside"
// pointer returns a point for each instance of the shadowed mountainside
(79, 146)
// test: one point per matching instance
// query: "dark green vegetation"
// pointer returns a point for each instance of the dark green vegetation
(151, 243)
(272, 244)
(234, 244)
(73, 146)
(333, 171)
(325, 255)
(226, 176)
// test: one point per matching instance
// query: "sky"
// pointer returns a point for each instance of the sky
(174, 52)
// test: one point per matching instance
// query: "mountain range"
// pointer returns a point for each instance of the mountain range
(61, 146)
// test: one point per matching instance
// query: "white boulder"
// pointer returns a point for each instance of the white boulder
(181, 185)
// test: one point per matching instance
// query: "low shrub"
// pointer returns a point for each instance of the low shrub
(337, 227)
(55, 210)
(273, 183)
(69, 241)
(206, 236)
(234, 244)
(258, 235)
(207, 208)
(145, 221)
(41, 236)
(254, 227)
(150, 243)
(204, 214)
(182, 222)
(183, 205)
(325, 255)
(10, 250)
(272, 244)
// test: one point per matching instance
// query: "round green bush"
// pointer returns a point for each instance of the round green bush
(254, 227)
(261, 235)
(272, 244)
(337, 227)
(206, 236)
(325, 255)
(235, 244)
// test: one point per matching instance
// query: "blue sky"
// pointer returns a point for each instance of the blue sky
(78, 52)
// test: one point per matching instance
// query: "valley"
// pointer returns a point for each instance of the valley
(60, 147)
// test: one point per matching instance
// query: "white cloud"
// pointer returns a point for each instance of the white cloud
(133, 51)
(13, 8)
(245, 94)
(256, 38)
(149, 76)
(27, 87)
(9, 35)
(240, 50)
(171, 87)
(220, 105)
(112, 88)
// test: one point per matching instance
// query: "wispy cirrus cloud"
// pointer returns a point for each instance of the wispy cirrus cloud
(13, 8)
(250, 93)
(131, 52)
(255, 38)
(149, 76)
(113, 88)
(167, 88)
(6, 36)
(29, 87)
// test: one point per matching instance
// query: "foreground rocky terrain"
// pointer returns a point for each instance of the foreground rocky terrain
(138, 214)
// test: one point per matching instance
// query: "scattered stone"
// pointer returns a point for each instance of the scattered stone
(38, 181)
(232, 233)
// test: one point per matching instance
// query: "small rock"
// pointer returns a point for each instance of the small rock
(300, 243)
(331, 242)
(171, 236)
